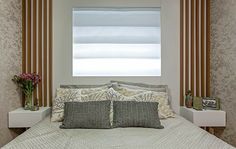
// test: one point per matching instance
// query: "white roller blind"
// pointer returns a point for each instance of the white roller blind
(116, 42)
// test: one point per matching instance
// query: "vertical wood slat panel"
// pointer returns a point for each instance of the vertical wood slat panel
(195, 38)
(192, 47)
(202, 48)
(37, 45)
(187, 45)
(197, 49)
(34, 42)
(40, 50)
(45, 51)
(181, 52)
(50, 52)
(208, 46)
(29, 36)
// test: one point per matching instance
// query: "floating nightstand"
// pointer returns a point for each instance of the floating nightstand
(21, 118)
(205, 118)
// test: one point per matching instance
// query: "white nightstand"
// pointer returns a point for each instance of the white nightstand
(21, 118)
(205, 118)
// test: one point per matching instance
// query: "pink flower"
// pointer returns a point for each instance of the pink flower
(35, 78)
(27, 82)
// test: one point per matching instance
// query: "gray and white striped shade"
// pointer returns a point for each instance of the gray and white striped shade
(121, 38)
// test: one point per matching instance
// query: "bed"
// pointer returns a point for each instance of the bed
(177, 134)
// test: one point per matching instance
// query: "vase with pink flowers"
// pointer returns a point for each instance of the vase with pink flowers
(27, 82)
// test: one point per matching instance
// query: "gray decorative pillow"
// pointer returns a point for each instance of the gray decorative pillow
(136, 114)
(92, 114)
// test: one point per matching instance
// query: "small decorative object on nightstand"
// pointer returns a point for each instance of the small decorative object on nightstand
(189, 99)
(211, 103)
(197, 103)
(21, 118)
(205, 118)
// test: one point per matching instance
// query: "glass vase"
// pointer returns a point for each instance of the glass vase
(28, 101)
(189, 101)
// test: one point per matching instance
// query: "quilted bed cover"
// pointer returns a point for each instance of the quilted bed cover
(177, 134)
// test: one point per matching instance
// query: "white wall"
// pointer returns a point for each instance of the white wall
(62, 43)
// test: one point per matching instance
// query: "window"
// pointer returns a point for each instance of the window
(116, 42)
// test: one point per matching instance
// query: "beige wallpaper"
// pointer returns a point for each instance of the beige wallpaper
(10, 63)
(223, 63)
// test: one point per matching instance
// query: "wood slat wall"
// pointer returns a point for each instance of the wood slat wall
(37, 46)
(194, 48)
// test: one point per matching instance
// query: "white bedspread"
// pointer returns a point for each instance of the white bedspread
(177, 134)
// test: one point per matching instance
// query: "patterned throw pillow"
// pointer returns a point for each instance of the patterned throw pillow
(95, 96)
(129, 92)
(148, 96)
(81, 95)
(63, 95)
(131, 89)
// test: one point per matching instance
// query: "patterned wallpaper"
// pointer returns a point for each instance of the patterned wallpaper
(10, 63)
(223, 63)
